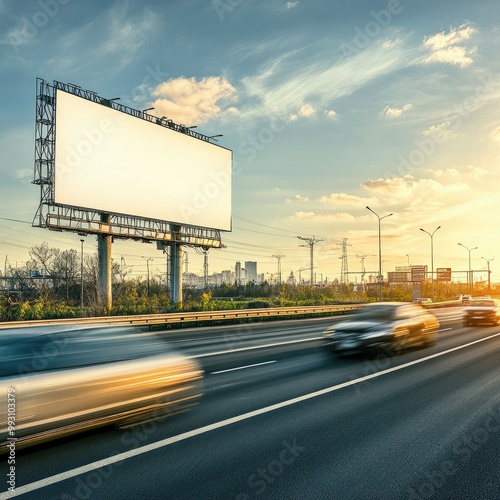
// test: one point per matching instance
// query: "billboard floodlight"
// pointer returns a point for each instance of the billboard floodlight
(94, 156)
(213, 136)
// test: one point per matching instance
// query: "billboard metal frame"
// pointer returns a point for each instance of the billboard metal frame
(85, 221)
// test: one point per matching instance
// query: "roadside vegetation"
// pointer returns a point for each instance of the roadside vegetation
(50, 286)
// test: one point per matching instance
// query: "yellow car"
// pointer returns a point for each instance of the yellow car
(59, 383)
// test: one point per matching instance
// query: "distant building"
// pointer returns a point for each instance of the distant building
(251, 271)
(227, 277)
(237, 273)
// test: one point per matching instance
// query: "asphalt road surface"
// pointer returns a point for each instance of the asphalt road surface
(281, 419)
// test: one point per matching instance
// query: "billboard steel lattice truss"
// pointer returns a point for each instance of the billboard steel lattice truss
(153, 179)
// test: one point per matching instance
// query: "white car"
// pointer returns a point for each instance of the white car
(482, 311)
(422, 300)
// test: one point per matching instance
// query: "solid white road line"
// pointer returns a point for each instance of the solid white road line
(243, 367)
(217, 425)
(263, 346)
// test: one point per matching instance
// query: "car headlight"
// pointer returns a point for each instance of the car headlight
(376, 333)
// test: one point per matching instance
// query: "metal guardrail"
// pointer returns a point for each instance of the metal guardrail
(188, 317)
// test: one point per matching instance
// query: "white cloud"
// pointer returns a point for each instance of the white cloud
(331, 114)
(444, 40)
(474, 177)
(398, 190)
(313, 216)
(24, 173)
(444, 192)
(298, 197)
(495, 134)
(390, 112)
(391, 43)
(445, 47)
(437, 195)
(302, 74)
(345, 199)
(440, 132)
(305, 111)
(189, 101)
(19, 35)
(118, 34)
(290, 5)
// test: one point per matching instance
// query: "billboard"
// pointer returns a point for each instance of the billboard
(112, 162)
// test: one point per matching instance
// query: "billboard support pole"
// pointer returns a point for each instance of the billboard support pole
(104, 266)
(176, 269)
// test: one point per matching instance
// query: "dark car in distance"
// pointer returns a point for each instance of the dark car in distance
(383, 326)
(482, 311)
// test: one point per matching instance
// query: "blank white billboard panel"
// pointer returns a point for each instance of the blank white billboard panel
(112, 162)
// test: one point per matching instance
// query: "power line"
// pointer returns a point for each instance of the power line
(16, 220)
(262, 232)
(263, 225)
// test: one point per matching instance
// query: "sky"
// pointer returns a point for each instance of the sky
(329, 106)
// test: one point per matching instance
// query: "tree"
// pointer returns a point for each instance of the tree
(65, 271)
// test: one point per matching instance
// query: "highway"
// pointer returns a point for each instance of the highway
(281, 419)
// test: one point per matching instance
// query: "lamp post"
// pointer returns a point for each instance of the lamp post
(81, 280)
(469, 276)
(489, 281)
(147, 264)
(300, 276)
(379, 278)
(432, 257)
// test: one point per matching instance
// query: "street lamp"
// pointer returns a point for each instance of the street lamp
(379, 279)
(147, 264)
(432, 257)
(469, 276)
(488, 262)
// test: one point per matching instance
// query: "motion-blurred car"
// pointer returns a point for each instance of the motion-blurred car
(67, 381)
(383, 326)
(422, 300)
(465, 298)
(482, 311)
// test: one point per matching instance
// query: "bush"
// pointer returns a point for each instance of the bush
(257, 304)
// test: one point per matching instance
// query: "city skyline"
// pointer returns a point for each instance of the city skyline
(329, 107)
